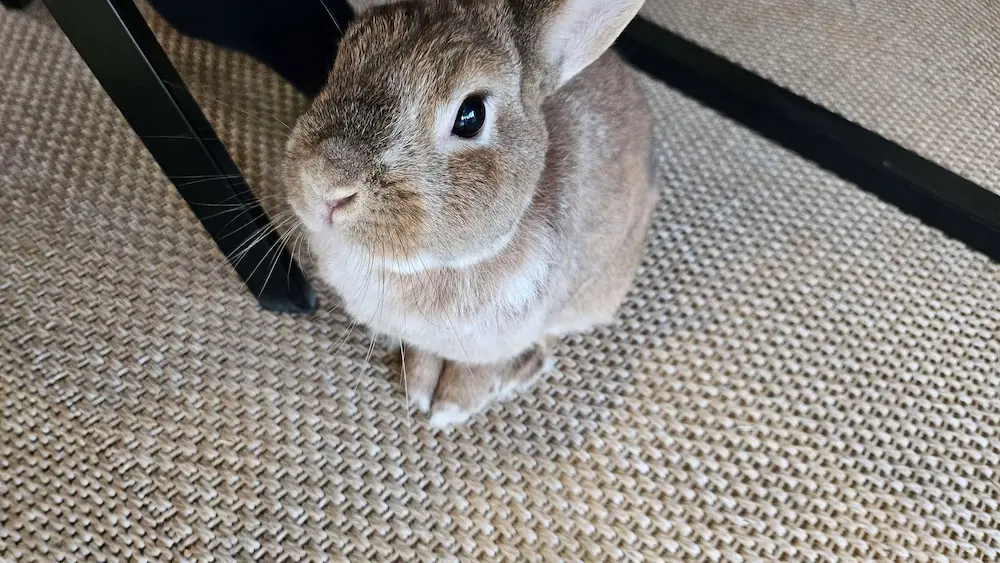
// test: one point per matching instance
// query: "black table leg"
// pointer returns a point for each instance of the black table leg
(915, 185)
(15, 4)
(123, 54)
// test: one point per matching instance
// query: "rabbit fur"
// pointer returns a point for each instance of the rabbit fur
(477, 254)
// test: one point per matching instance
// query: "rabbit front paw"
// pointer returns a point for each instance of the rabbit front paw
(419, 377)
(465, 390)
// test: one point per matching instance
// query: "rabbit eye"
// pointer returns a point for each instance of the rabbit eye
(471, 117)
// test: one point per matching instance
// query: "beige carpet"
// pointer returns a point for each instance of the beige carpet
(802, 372)
(925, 74)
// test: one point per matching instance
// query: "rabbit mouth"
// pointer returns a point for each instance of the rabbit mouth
(334, 209)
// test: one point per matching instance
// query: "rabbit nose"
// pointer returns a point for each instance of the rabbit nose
(335, 205)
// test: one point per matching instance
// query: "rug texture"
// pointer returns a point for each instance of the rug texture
(801, 372)
(923, 74)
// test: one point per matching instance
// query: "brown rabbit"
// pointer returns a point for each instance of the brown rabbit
(475, 182)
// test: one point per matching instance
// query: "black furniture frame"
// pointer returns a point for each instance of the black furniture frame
(115, 42)
(118, 46)
(938, 197)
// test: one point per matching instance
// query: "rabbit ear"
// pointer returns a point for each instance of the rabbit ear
(574, 33)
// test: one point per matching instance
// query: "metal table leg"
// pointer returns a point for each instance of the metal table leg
(123, 54)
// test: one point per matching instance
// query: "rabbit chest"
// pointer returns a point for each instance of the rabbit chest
(481, 313)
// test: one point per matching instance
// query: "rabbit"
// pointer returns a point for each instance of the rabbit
(475, 181)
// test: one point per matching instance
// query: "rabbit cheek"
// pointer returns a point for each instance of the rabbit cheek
(477, 210)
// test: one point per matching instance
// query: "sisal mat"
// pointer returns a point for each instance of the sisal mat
(923, 74)
(801, 372)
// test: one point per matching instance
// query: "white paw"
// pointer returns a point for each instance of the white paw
(449, 415)
(421, 402)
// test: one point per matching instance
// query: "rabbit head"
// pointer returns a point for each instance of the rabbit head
(428, 144)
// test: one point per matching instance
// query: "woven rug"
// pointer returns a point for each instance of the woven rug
(923, 74)
(801, 372)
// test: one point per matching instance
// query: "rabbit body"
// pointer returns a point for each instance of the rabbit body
(537, 231)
